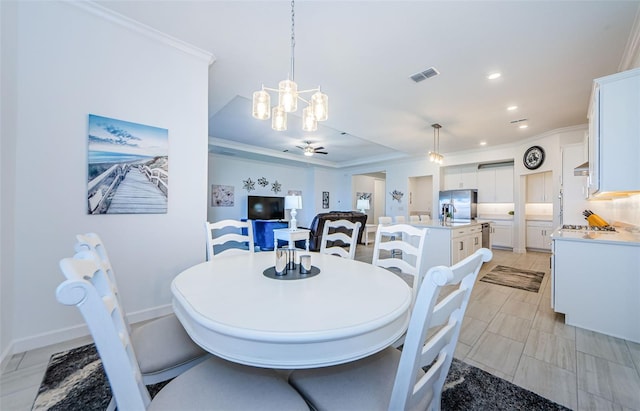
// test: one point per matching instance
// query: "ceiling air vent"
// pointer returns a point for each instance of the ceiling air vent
(423, 75)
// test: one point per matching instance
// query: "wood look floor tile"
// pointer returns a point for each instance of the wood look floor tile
(609, 380)
(519, 309)
(471, 330)
(461, 351)
(510, 326)
(526, 296)
(482, 311)
(634, 349)
(604, 346)
(488, 369)
(553, 323)
(551, 349)
(591, 402)
(498, 352)
(554, 383)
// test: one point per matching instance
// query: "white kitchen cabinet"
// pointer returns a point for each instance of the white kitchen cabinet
(459, 177)
(540, 187)
(502, 234)
(614, 134)
(495, 185)
(539, 235)
(595, 284)
(464, 242)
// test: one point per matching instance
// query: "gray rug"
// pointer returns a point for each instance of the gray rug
(514, 278)
(75, 380)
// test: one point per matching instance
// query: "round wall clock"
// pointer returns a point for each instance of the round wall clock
(533, 157)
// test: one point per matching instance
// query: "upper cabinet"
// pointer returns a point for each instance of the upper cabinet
(540, 187)
(459, 177)
(495, 185)
(614, 135)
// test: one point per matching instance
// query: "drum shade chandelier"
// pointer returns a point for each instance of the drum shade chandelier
(435, 156)
(288, 95)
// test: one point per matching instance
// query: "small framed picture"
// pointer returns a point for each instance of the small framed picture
(325, 199)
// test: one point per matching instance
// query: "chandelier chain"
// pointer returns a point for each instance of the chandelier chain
(293, 39)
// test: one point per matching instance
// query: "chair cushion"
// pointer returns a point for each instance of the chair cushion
(162, 344)
(317, 225)
(216, 384)
(365, 384)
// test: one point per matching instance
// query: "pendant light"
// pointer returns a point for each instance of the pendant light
(288, 95)
(435, 156)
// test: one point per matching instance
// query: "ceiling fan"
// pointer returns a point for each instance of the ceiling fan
(309, 150)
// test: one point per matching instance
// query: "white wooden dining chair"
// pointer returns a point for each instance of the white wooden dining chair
(213, 384)
(226, 236)
(165, 350)
(393, 379)
(404, 251)
(385, 220)
(414, 219)
(338, 242)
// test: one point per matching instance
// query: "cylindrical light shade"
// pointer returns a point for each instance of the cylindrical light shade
(279, 119)
(293, 202)
(320, 105)
(362, 204)
(288, 95)
(261, 105)
(309, 122)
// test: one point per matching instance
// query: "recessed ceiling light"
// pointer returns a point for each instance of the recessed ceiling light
(523, 126)
(511, 108)
(494, 76)
(483, 143)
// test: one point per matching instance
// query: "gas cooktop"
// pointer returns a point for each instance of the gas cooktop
(588, 228)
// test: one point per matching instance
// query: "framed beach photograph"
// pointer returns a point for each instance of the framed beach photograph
(128, 167)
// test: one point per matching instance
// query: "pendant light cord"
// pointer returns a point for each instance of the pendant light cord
(293, 40)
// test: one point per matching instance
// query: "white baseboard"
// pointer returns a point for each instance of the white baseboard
(73, 332)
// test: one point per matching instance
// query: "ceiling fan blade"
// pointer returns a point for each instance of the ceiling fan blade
(321, 152)
(319, 148)
(301, 148)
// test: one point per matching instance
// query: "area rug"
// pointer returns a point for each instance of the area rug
(75, 380)
(515, 278)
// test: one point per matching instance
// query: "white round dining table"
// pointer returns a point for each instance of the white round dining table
(348, 311)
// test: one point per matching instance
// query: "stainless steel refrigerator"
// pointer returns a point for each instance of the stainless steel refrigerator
(461, 204)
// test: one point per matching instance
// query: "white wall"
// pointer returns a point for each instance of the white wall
(73, 61)
(8, 80)
(232, 171)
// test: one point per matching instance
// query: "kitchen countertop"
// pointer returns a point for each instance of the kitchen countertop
(490, 217)
(540, 217)
(439, 225)
(623, 236)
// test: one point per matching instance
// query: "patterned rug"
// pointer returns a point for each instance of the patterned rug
(75, 380)
(514, 278)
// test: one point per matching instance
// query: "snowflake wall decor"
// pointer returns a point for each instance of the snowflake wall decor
(276, 187)
(262, 182)
(396, 195)
(249, 184)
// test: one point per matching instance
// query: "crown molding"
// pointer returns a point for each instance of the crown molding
(143, 29)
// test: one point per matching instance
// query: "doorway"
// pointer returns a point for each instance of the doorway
(372, 185)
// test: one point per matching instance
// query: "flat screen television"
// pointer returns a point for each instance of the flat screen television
(265, 208)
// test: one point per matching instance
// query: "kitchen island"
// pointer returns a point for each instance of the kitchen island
(446, 244)
(595, 280)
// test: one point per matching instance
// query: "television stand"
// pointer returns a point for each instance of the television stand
(263, 232)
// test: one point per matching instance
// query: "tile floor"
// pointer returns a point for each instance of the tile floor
(510, 333)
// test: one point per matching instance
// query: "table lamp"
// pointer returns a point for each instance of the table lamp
(292, 203)
(362, 204)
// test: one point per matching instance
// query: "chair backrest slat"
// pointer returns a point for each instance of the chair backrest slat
(332, 242)
(86, 288)
(406, 249)
(436, 350)
(227, 237)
